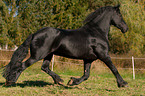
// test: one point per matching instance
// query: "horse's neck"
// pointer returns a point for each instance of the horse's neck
(104, 25)
(100, 27)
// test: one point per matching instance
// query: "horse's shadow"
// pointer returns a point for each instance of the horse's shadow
(33, 84)
(29, 83)
(37, 84)
(43, 84)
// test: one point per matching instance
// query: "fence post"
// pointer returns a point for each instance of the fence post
(52, 62)
(133, 67)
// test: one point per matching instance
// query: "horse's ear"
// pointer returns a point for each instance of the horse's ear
(117, 7)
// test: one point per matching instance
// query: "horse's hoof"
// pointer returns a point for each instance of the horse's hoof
(60, 83)
(124, 84)
(73, 81)
(70, 82)
(9, 83)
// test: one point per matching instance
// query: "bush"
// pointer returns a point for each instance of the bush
(33, 15)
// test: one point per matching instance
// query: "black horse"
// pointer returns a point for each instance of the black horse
(88, 43)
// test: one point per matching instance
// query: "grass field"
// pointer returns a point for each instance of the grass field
(34, 82)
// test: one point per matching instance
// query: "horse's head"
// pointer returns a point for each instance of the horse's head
(117, 20)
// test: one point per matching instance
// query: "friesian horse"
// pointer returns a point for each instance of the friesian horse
(88, 43)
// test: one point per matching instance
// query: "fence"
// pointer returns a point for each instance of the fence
(133, 64)
(131, 58)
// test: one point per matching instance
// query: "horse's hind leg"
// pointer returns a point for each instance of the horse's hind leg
(76, 81)
(45, 68)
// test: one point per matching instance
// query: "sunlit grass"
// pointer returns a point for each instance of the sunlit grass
(34, 82)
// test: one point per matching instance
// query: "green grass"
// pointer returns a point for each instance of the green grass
(34, 82)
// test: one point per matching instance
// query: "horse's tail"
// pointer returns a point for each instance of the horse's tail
(17, 57)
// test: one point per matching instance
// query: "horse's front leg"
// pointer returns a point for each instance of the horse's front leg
(76, 81)
(107, 60)
(101, 52)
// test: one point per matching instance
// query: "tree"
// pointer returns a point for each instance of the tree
(3, 24)
(8, 26)
(21, 18)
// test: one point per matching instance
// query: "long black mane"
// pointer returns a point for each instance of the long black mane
(97, 14)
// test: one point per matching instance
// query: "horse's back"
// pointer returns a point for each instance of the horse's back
(75, 44)
(68, 43)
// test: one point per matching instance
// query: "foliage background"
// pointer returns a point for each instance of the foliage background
(19, 18)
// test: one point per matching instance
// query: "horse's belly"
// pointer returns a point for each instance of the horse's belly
(76, 54)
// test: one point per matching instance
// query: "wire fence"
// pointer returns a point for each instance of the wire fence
(113, 58)
(78, 64)
(132, 59)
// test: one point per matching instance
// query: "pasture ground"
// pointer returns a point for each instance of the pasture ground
(34, 82)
